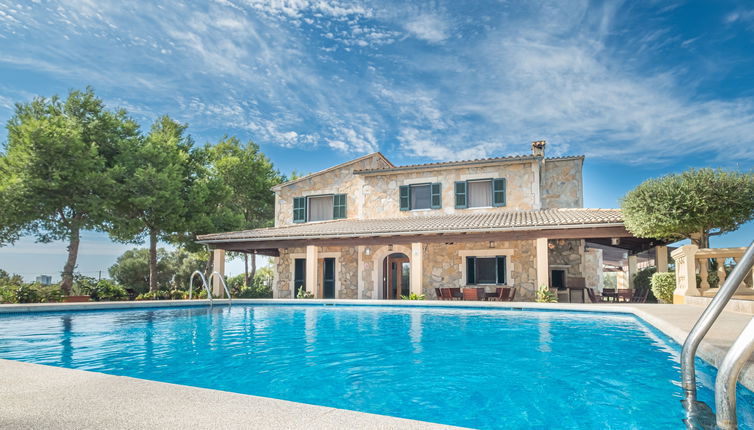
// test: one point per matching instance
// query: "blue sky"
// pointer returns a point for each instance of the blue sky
(640, 88)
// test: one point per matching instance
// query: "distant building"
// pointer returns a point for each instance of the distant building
(44, 279)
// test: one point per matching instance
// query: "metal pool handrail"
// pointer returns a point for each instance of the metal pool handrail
(222, 281)
(701, 328)
(730, 368)
(204, 283)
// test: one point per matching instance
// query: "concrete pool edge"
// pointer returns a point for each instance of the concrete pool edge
(37, 396)
(664, 318)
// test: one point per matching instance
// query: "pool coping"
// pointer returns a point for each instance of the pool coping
(649, 313)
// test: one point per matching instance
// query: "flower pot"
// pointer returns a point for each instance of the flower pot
(75, 299)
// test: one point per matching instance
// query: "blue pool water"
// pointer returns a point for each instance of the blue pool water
(468, 367)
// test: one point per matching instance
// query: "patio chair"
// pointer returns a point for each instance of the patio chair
(456, 293)
(593, 296)
(473, 294)
(438, 294)
(609, 294)
(640, 296)
(500, 294)
(446, 294)
(512, 294)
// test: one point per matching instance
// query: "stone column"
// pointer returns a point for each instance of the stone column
(632, 263)
(417, 264)
(543, 264)
(685, 273)
(661, 258)
(311, 270)
(359, 271)
(218, 265)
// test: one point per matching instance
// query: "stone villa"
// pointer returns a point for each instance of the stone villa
(367, 229)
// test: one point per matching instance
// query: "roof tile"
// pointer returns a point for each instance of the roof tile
(475, 222)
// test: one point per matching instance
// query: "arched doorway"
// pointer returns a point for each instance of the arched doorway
(396, 269)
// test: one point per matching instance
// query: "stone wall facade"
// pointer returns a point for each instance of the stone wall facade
(562, 183)
(568, 255)
(443, 267)
(530, 184)
(336, 181)
(381, 190)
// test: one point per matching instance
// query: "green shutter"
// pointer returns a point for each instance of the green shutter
(501, 270)
(405, 198)
(461, 201)
(436, 202)
(470, 270)
(339, 206)
(498, 192)
(299, 209)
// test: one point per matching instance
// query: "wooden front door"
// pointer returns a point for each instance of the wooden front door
(396, 281)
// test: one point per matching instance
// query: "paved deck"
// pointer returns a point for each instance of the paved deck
(34, 396)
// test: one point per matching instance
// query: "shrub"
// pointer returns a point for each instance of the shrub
(303, 294)
(104, 290)
(28, 293)
(8, 294)
(545, 295)
(642, 281)
(177, 295)
(663, 285)
(413, 296)
(49, 293)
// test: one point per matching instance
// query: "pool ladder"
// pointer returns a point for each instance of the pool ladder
(205, 284)
(730, 368)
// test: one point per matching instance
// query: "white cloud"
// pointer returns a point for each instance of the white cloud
(428, 27)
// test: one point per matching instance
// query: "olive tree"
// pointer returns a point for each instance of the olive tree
(695, 204)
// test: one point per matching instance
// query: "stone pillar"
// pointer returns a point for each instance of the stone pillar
(685, 273)
(661, 258)
(543, 265)
(417, 264)
(311, 270)
(218, 265)
(359, 271)
(632, 260)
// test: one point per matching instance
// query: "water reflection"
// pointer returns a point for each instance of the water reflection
(66, 341)
(545, 337)
(415, 332)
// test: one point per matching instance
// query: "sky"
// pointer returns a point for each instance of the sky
(641, 88)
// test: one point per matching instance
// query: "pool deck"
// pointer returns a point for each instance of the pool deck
(34, 396)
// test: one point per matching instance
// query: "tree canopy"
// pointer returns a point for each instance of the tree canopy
(55, 170)
(695, 204)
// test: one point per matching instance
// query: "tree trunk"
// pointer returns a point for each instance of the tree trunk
(245, 270)
(152, 260)
(253, 266)
(70, 263)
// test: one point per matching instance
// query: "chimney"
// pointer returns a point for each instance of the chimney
(538, 148)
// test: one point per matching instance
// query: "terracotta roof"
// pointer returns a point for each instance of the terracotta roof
(509, 158)
(429, 224)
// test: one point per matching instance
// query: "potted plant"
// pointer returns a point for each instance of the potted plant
(77, 293)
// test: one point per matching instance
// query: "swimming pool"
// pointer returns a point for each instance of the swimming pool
(483, 368)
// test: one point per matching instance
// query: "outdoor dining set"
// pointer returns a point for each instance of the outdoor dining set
(501, 294)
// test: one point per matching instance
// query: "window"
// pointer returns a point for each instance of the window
(420, 196)
(319, 208)
(485, 270)
(480, 193)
